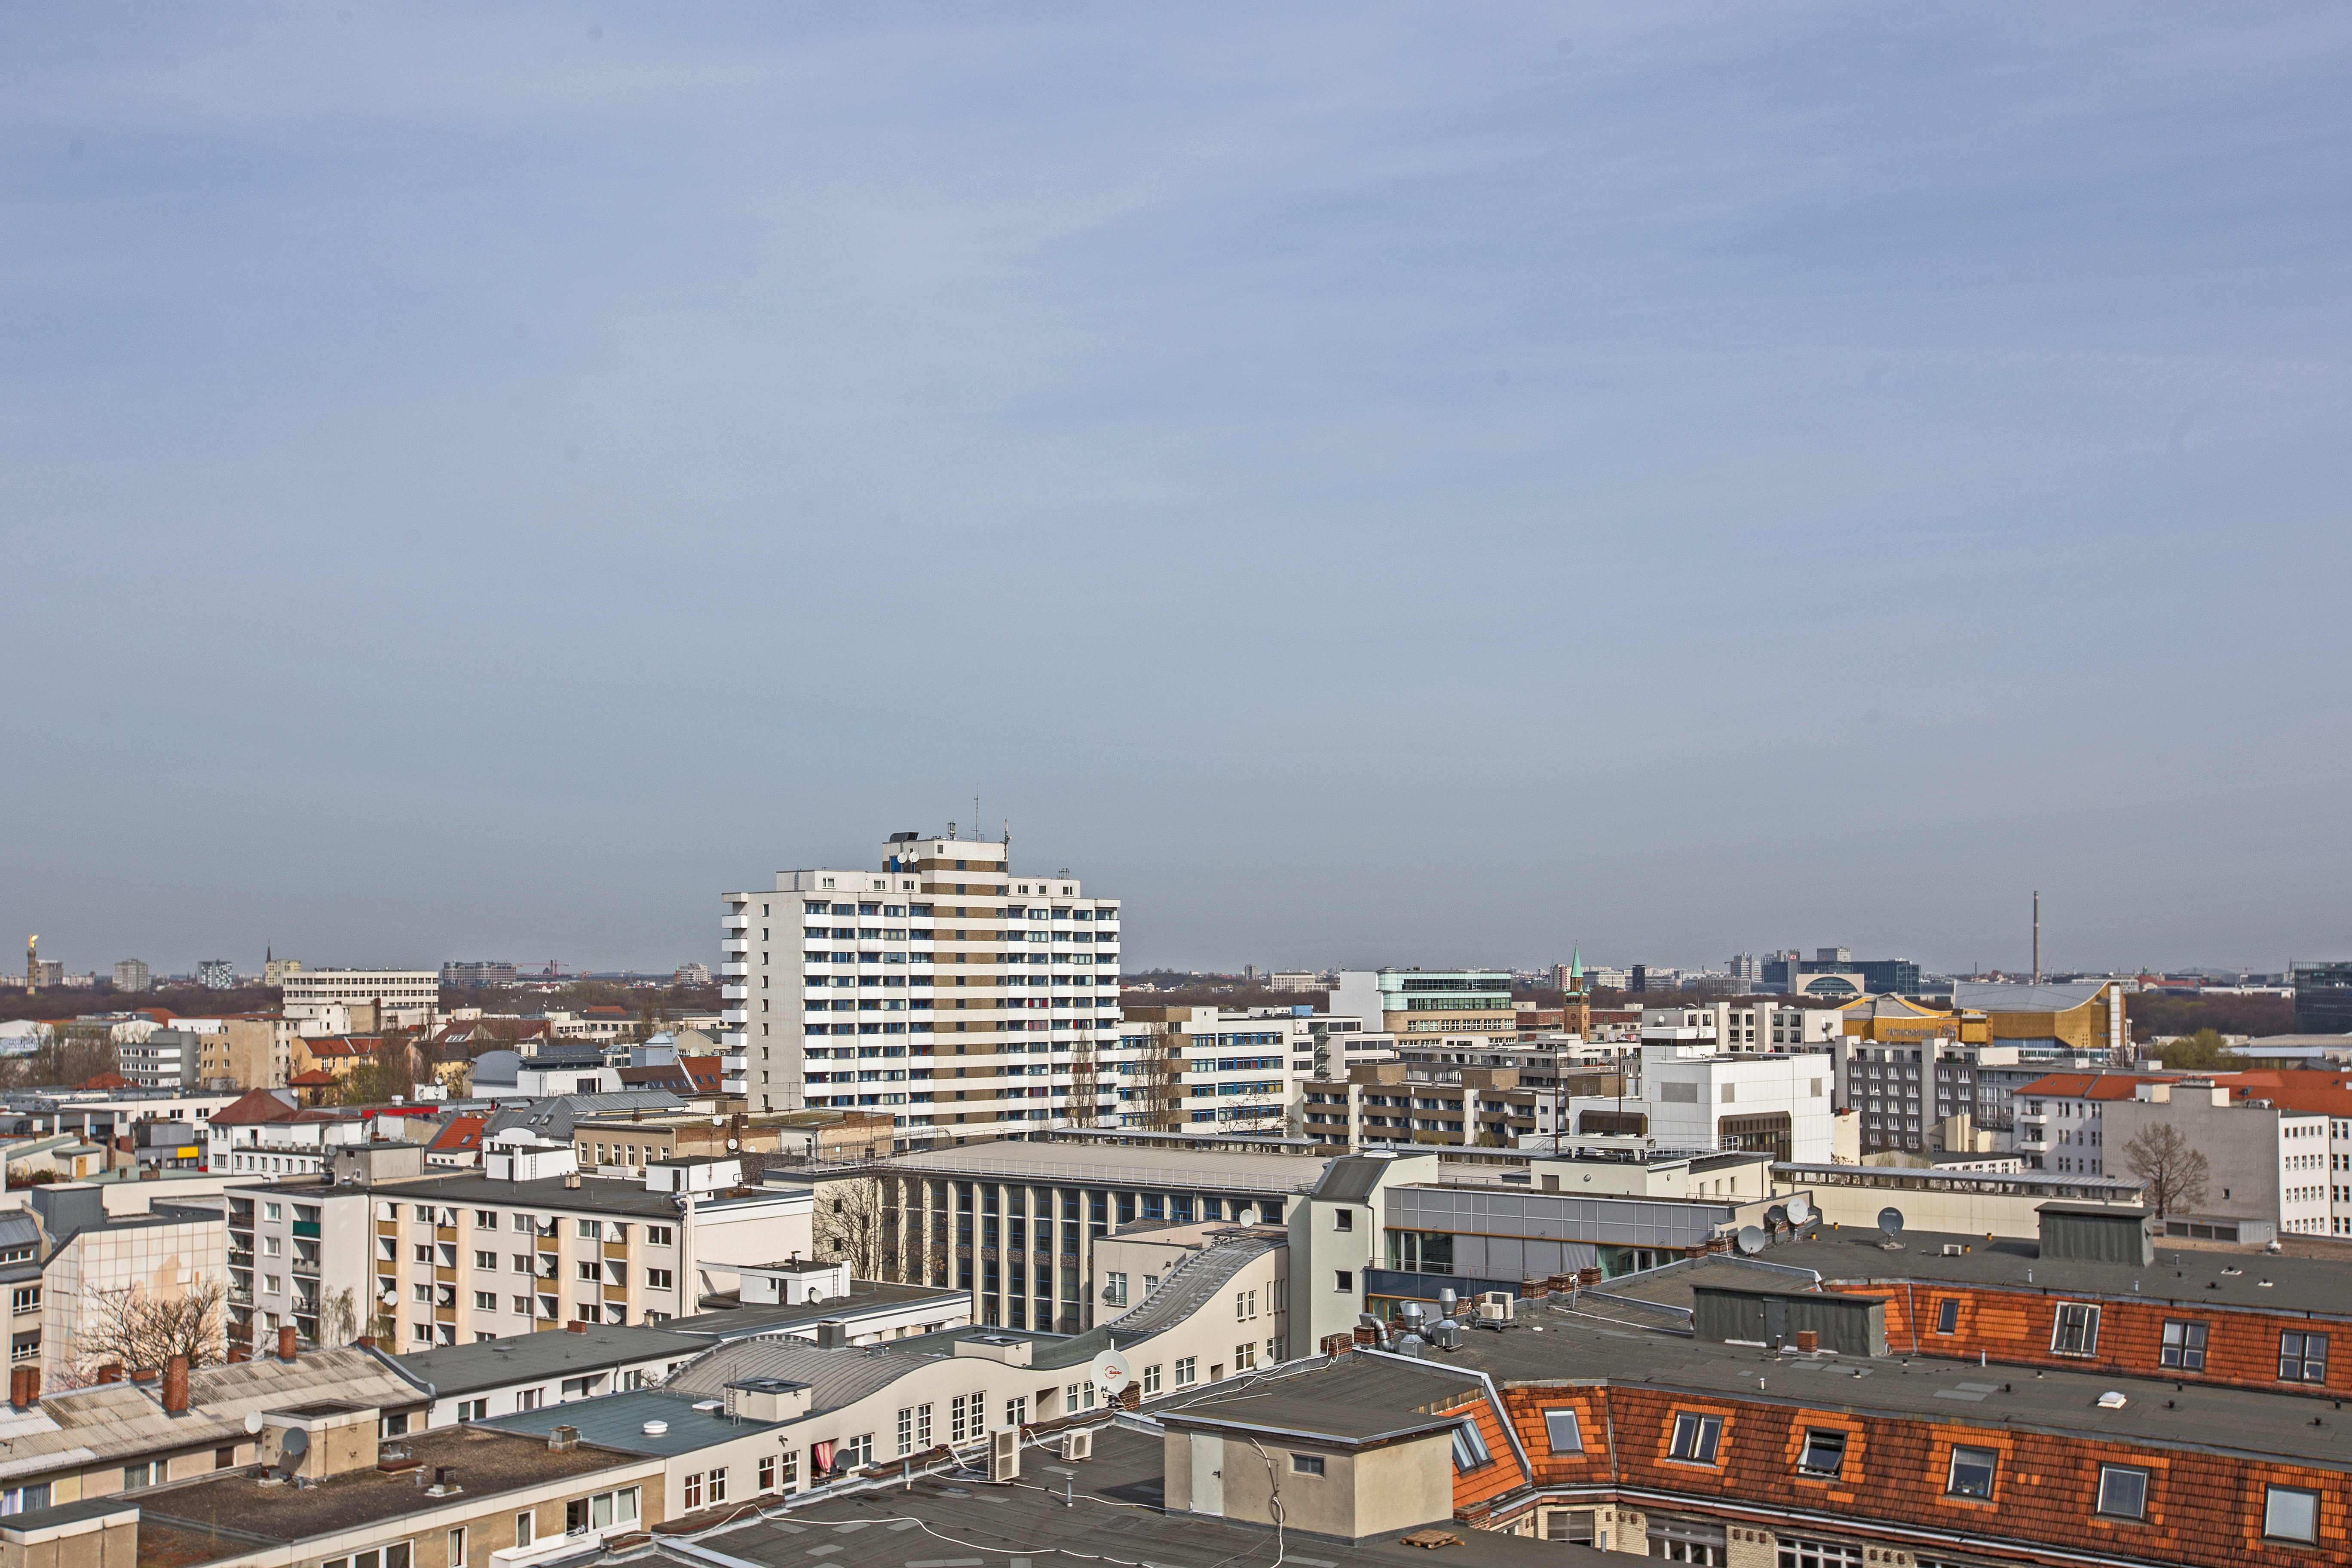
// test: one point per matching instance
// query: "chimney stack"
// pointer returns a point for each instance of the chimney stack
(286, 1344)
(31, 1385)
(19, 1395)
(576, 1326)
(175, 1387)
(111, 1371)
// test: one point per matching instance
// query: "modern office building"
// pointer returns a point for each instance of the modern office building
(1016, 1222)
(2323, 996)
(946, 986)
(400, 998)
(1696, 1098)
(477, 973)
(1204, 1069)
(130, 975)
(1834, 973)
(1409, 1002)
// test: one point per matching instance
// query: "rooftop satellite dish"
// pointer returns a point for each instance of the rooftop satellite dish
(1800, 1211)
(1111, 1372)
(1751, 1239)
(252, 1421)
(1777, 1214)
(1890, 1222)
(296, 1441)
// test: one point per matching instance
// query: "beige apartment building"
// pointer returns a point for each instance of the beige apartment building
(523, 1246)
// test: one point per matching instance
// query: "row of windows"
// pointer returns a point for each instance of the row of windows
(2075, 1331)
(923, 911)
(2289, 1513)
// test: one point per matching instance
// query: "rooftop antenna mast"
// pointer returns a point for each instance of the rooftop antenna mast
(2037, 936)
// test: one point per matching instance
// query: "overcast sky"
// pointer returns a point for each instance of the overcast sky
(1363, 483)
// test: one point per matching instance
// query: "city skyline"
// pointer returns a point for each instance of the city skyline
(1371, 483)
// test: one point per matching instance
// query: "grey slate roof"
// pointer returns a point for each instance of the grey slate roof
(836, 1377)
(555, 1115)
(457, 1370)
(618, 1421)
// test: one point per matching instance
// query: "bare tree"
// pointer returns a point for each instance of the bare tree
(339, 1316)
(2175, 1173)
(849, 1224)
(142, 1330)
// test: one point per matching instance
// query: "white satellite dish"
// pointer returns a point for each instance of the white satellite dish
(1751, 1239)
(1111, 1372)
(252, 1421)
(1800, 1211)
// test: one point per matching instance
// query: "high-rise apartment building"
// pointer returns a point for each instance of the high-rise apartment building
(215, 974)
(130, 975)
(967, 999)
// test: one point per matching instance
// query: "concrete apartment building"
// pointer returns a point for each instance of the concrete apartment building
(1412, 1002)
(1206, 1070)
(2276, 1149)
(166, 1059)
(90, 1255)
(527, 1245)
(967, 999)
(131, 974)
(393, 998)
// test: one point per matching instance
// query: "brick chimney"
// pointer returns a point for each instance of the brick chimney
(238, 1353)
(576, 1326)
(31, 1385)
(175, 1387)
(111, 1371)
(20, 1395)
(285, 1350)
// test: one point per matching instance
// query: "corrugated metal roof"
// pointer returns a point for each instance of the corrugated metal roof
(836, 1377)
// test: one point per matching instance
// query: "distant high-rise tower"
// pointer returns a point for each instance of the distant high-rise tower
(130, 975)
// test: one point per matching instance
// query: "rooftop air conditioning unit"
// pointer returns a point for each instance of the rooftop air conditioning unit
(1495, 1307)
(1078, 1444)
(1004, 1454)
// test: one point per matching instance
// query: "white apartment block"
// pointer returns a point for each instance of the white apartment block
(966, 999)
(1745, 1026)
(405, 998)
(1698, 1097)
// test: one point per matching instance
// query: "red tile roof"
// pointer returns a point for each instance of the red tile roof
(2095, 1085)
(108, 1080)
(317, 1077)
(463, 1132)
(252, 1108)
